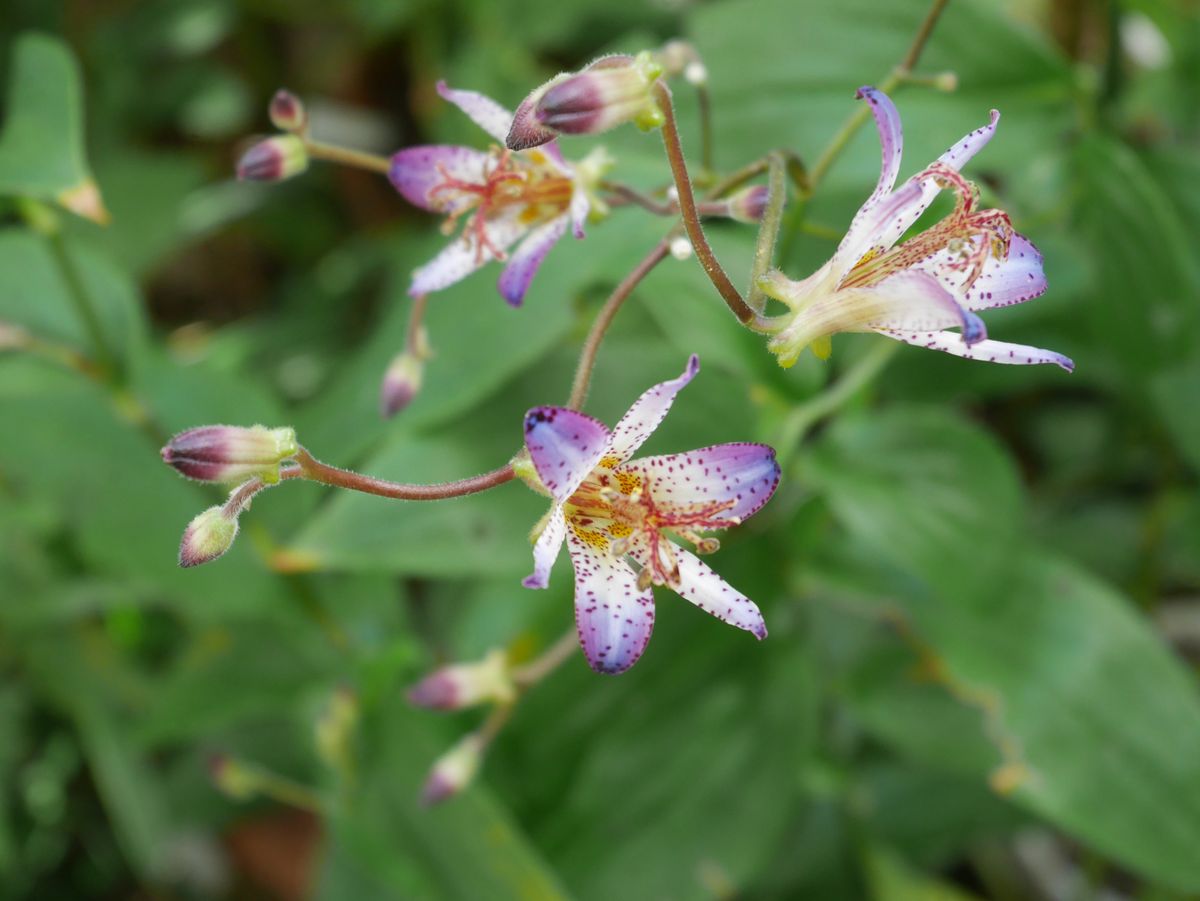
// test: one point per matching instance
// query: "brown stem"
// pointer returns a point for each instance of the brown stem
(687, 209)
(242, 495)
(313, 469)
(591, 346)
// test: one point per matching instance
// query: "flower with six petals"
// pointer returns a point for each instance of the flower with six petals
(936, 280)
(502, 197)
(612, 510)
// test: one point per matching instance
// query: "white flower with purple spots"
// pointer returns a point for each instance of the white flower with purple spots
(501, 197)
(617, 514)
(936, 280)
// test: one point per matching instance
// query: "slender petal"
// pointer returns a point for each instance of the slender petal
(744, 473)
(416, 170)
(916, 301)
(647, 412)
(460, 258)
(484, 111)
(712, 594)
(988, 351)
(614, 618)
(891, 137)
(524, 263)
(546, 550)
(581, 205)
(565, 447)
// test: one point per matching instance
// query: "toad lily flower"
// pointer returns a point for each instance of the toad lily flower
(501, 196)
(611, 510)
(938, 279)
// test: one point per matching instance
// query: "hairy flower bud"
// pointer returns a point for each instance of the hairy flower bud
(287, 112)
(466, 684)
(609, 92)
(225, 453)
(207, 537)
(748, 204)
(400, 383)
(453, 771)
(274, 159)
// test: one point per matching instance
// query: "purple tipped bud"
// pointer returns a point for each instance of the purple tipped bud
(748, 204)
(453, 771)
(274, 159)
(287, 112)
(466, 684)
(400, 383)
(207, 537)
(226, 453)
(609, 92)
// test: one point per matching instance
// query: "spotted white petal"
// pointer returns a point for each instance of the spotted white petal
(987, 351)
(891, 137)
(545, 551)
(524, 262)
(647, 412)
(416, 171)
(712, 594)
(613, 616)
(565, 446)
(581, 205)
(484, 111)
(1002, 283)
(742, 473)
(462, 257)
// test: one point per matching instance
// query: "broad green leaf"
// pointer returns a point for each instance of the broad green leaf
(42, 141)
(891, 878)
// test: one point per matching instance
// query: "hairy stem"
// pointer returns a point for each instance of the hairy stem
(687, 209)
(358, 159)
(768, 231)
(591, 346)
(314, 470)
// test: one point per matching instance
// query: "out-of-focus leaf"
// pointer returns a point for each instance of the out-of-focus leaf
(1076, 689)
(41, 145)
(893, 879)
(1175, 391)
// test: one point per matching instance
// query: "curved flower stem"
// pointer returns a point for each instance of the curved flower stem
(768, 232)
(687, 209)
(898, 75)
(805, 416)
(358, 159)
(243, 494)
(314, 470)
(547, 662)
(416, 342)
(591, 346)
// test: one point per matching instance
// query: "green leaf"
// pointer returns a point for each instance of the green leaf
(42, 142)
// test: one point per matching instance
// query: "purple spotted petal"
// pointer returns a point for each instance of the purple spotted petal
(712, 594)
(647, 412)
(524, 263)
(915, 301)
(417, 170)
(484, 111)
(545, 552)
(1010, 281)
(987, 351)
(565, 446)
(891, 137)
(460, 258)
(614, 619)
(744, 473)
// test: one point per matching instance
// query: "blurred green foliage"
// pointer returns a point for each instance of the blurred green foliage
(980, 582)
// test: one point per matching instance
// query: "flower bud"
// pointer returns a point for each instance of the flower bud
(466, 684)
(609, 92)
(287, 112)
(401, 383)
(232, 778)
(680, 247)
(274, 159)
(226, 453)
(453, 771)
(748, 204)
(207, 537)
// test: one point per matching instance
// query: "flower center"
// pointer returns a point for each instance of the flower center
(509, 182)
(611, 511)
(969, 235)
